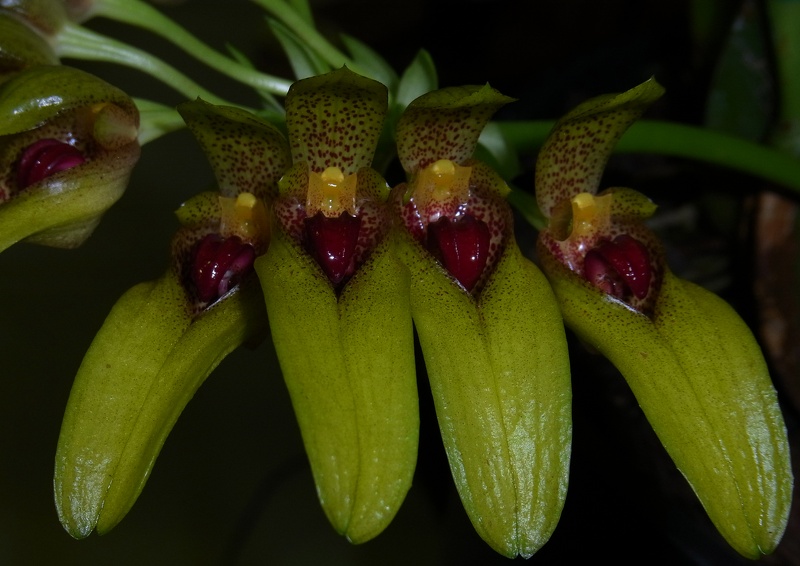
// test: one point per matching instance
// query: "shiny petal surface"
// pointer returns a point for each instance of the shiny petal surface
(123, 404)
(700, 378)
(499, 372)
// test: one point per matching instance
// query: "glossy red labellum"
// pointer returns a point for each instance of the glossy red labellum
(44, 158)
(333, 242)
(462, 246)
(219, 265)
(619, 267)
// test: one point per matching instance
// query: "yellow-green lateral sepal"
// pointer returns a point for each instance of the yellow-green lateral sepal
(141, 370)
(572, 159)
(499, 372)
(335, 119)
(445, 124)
(348, 363)
(247, 154)
(700, 378)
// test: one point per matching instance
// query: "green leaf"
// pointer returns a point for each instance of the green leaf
(304, 61)
(417, 79)
(371, 62)
(573, 157)
(271, 103)
(740, 100)
(495, 149)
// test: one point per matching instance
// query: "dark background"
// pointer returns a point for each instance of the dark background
(232, 485)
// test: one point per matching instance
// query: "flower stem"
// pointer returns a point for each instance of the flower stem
(137, 13)
(679, 140)
(306, 31)
(77, 42)
(156, 120)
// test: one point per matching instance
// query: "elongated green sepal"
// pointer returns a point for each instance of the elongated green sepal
(700, 378)
(348, 362)
(499, 373)
(141, 370)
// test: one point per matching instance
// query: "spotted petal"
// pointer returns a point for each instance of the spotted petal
(247, 154)
(335, 120)
(573, 157)
(445, 124)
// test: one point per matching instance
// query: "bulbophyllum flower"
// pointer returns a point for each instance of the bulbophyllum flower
(163, 338)
(68, 144)
(488, 324)
(338, 304)
(693, 365)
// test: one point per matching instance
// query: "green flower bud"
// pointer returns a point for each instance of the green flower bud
(68, 144)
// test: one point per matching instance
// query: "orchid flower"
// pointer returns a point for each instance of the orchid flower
(692, 363)
(338, 304)
(163, 338)
(488, 324)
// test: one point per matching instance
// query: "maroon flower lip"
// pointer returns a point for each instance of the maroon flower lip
(219, 264)
(336, 222)
(462, 246)
(45, 158)
(333, 242)
(462, 223)
(619, 267)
